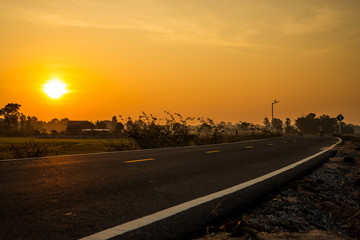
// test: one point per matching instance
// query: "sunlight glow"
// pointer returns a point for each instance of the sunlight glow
(55, 88)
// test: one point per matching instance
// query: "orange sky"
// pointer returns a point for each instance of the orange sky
(227, 60)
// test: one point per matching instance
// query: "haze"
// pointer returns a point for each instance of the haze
(227, 60)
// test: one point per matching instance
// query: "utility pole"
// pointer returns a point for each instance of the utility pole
(272, 110)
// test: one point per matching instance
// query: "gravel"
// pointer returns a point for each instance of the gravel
(325, 204)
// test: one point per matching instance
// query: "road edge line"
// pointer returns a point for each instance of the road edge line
(158, 216)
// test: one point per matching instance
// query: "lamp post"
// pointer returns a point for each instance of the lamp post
(272, 110)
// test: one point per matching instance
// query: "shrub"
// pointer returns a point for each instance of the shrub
(29, 149)
(147, 131)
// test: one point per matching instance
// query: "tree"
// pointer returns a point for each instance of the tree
(23, 124)
(277, 124)
(327, 124)
(63, 125)
(11, 113)
(3, 128)
(33, 126)
(287, 122)
(114, 120)
(288, 128)
(266, 122)
(308, 124)
(100, 124)
(64, 122)
(119, 128)
(245, 126)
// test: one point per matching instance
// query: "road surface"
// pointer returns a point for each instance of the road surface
(71, 197)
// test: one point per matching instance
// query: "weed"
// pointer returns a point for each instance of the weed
(29, 149)
(147, 131)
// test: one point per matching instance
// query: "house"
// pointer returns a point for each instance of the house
(76, 127)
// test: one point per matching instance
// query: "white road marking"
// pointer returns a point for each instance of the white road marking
(155, 217)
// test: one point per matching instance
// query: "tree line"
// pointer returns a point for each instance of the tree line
(15, 123)
(174, 130)
(310, 124)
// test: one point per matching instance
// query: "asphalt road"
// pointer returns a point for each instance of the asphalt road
(71, 197)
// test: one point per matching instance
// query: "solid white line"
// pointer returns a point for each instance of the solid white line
(155, 217)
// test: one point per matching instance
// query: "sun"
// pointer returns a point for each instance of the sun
(55, 88)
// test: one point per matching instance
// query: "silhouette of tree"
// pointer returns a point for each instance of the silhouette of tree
(277, 124)
(64, 122)
(11, 114)
(114, 120)
(33, 126)
(287, 122)
(54, 121)
(288, 128)
(205, 128)
(266, 122)
(3, 127)
(22, 123)
(119, 128)
(327, 124)
(308, 124)
(100, 124)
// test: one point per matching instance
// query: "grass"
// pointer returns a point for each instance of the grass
(63, 146)
(21, 147)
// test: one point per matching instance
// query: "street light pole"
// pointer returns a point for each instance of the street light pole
(272, 110)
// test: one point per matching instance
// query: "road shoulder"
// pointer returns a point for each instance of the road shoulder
(324, 204)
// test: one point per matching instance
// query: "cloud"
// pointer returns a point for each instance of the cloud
(240, 24)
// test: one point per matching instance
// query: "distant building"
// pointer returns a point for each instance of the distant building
(76, 127)
(96, 132)
(110, 125)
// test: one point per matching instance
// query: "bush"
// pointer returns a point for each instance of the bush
(29, 149)
(147, 132)
(209, 132)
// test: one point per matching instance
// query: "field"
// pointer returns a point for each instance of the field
(63, 146)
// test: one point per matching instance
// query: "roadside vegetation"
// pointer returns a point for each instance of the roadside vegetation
(25, 136)
(18, 147)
